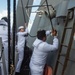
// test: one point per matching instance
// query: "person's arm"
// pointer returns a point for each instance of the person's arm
(27, 30)
(48, 32)
(48, 47)
(22, 33)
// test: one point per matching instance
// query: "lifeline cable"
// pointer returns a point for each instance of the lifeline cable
(27, 9)
(27, 3)
(31, 35)
(8, 4)
(49, 15)
(25, 16)
(23, 11)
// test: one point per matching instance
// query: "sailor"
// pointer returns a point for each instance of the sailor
(20, 46)
(4, 35)
(40, 52)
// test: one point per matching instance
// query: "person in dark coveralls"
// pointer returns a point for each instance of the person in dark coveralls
(40, 52)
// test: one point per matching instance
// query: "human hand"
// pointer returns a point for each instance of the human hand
(54, 32)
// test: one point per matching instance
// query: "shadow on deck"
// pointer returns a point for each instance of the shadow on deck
(25, 64)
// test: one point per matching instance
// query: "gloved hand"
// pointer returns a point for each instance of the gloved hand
(26, 35)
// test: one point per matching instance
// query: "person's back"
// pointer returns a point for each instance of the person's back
(38, 56)
(4, 36)
(41, 49)
(21, 39)
(4, 30)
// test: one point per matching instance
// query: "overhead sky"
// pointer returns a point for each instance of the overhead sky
(32, 17)
(3, 10)
(3, 7)
(36, 2)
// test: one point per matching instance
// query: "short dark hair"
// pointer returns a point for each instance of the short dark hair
(41, 34)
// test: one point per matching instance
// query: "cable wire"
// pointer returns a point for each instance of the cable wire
(32, 36)
(23, 11)
(25, 16)
(27, 9)
(27, 3)
(49, 15)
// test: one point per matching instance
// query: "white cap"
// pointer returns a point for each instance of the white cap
(20, 27)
